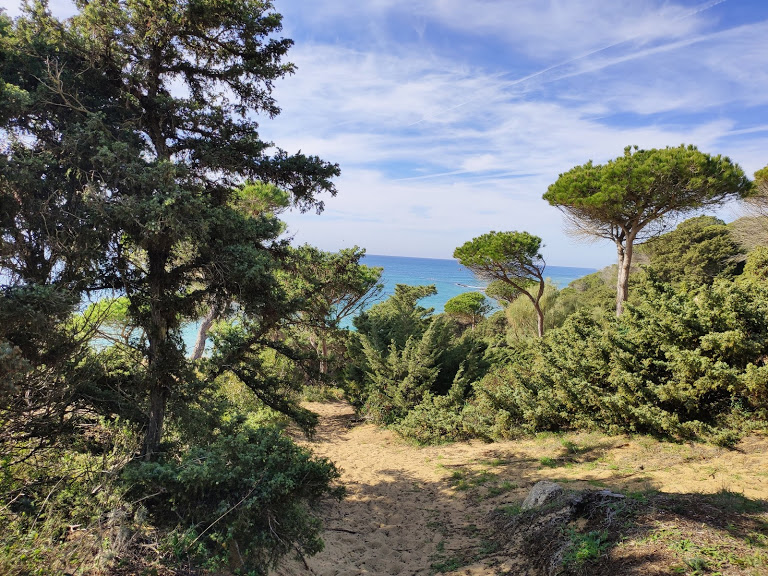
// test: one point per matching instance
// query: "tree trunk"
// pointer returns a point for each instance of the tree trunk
(622, 279)
(324, 357)
(158, 398)
(536, 300)
(202, 332)
(158, 377)
(539, 319)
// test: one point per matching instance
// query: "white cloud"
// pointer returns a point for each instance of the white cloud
(483, 154)
(540, 29)
(439, 142)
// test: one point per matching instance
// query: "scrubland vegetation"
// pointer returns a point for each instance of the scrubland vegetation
(130, 209)
(684, 360)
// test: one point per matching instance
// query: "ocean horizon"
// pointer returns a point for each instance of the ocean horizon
(448, 276)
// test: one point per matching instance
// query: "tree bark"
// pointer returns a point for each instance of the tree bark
(158, 377)
(324, 357)
(202, 332)
(622, 277)
(539, 318)
(158, 397)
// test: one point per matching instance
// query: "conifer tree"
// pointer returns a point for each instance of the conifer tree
(130, 126)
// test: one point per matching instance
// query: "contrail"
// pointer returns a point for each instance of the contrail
(699, 10)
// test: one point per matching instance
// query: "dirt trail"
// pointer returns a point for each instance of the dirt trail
(417, 510)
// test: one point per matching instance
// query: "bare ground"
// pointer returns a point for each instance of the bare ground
(453, 509)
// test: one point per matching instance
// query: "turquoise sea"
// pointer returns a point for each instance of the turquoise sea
(448, 276)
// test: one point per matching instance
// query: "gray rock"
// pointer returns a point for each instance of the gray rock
(609, 494)
(541, 493)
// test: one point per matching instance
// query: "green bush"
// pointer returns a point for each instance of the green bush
(402, 352)
(683, 360)
(679, 363)
(695, 253)
(64, 507)
(242, 500)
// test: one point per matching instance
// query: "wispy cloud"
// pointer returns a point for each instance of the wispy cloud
(414, 129)
(450, 118)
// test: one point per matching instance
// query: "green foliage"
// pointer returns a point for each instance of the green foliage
(502, 292)
(695, 253)
(130, 129)
(65, 507)
(434, 420)
(756, 266)
(255, 198)
(132, 183)
(386, 324)
(427, 364)
(677, 364)
(584, 548)
(593, 294)
(629, 198)
(242, 499)
(467, 308)
(638, 188)
(522, 320)
(399, 379)
(759, 200)
(397, 318)
(332, 285)
(517, 251)
(438, 417)
(513, 258)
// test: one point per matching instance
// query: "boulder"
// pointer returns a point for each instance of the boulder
(541, 493)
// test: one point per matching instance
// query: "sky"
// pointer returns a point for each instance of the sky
(450, 118)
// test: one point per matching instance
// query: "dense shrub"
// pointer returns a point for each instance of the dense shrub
(64, 503)
(677, 364)
(241, 500)
(695, 253)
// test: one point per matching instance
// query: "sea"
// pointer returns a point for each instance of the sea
(449, 277)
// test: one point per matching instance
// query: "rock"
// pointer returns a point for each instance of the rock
(609, 494)
(541, 493)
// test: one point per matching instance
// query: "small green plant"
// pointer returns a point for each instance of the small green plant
(726, 438)
(504, 487)
(486, 548)
(447, 564)
(510, 509)
(570, 447)
(549, 462)
(462, 485)
(698, 564)
(640, 496)
(585, 547)
(757, 540)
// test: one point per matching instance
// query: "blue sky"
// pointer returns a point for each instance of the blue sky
(450, 118)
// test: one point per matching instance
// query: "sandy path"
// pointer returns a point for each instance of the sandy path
(411, 510)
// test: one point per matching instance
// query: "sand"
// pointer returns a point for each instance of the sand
(419, 510)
